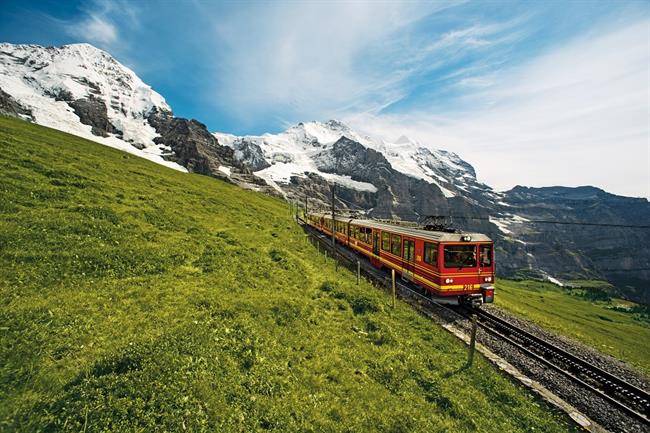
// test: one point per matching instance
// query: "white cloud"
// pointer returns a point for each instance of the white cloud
(95, 29)
(577, 115)
(100, 21)
(310, 58)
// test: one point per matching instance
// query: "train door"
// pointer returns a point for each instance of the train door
(375, 249)
(408, 258)
(375, 242)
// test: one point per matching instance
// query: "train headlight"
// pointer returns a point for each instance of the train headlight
(488, 279)
(449, 281)
(466, 238)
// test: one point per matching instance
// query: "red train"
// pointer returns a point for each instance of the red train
(453, 267)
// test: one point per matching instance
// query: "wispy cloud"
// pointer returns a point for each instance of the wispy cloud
(575, 115)
(103, 24)
(95, 29)
(307, 59)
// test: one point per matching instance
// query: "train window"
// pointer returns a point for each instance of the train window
(396, 245)
(385, 241)
(431, 254)
(409, 250)
(355, 232)
(460, 256)
(486, 255)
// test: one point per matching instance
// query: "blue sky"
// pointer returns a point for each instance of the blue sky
(535, 93)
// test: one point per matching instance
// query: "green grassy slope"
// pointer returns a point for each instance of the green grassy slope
(615, 327)
(137, 298)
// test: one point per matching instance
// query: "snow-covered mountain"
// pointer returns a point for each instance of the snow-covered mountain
(302, 149)
(65, 86)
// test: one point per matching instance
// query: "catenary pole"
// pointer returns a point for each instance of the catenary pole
(333, 218)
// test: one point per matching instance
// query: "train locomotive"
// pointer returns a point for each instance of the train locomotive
(450, 267)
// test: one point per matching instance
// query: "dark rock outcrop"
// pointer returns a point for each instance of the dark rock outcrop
(192, 145)
(249, 154)
(92, 111)
(10, 107)
(397, 196)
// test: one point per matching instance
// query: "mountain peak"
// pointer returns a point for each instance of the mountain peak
(337, 124)
(83, 90)
(403, 139)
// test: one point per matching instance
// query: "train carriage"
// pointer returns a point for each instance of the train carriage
(451, 267)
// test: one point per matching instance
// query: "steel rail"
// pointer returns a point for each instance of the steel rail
(576, 368)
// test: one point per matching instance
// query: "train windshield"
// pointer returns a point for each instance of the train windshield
(460, 256)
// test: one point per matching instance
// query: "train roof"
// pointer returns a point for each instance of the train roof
(412, 231)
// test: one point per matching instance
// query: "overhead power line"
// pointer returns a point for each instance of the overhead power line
(571, 223)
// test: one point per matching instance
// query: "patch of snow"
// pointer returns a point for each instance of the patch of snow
(519, 219)
(554, 281)
(224, 169)
(447, 193)
(348, 182)
(501, 224)
(504, 223)
(225, 139)
(269, 179)
(282, 172)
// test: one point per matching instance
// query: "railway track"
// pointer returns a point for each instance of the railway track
(621, 394)
(625, 397)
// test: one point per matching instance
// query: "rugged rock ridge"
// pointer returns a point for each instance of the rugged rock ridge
(192, 146)
(619, 254)
(92, 111)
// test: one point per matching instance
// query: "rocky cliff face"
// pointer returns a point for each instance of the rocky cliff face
(191, 145)
(619, 254)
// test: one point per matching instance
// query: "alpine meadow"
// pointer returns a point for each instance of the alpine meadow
(122, 312)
